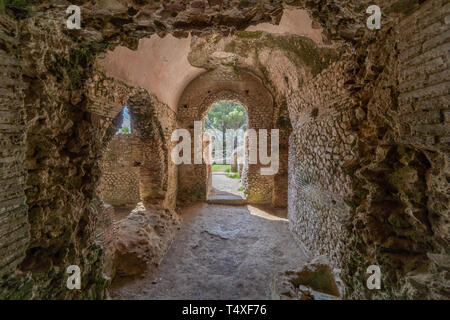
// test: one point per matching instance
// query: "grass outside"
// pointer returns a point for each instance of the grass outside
(233, 175)
(225, 168)
(221, 168)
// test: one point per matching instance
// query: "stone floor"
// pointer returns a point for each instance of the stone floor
(221, 252)
(225, 190)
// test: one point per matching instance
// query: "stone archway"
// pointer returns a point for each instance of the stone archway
(194, 104)
(220, 186)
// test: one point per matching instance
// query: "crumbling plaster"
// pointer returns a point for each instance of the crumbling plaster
(159, 65)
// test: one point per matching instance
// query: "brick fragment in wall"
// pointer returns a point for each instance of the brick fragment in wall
(14, 226)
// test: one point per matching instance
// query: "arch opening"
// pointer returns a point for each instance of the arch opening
(225, 125)
(196, 101)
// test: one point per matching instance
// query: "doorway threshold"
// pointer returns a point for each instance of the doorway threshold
(222, 197)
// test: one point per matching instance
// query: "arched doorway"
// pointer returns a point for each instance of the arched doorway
(225, 124)
(194, 105)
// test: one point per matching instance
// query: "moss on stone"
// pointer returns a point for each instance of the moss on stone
(398, 222)
(79, 63)
(303, 52)
(20, 9)
(249, 34)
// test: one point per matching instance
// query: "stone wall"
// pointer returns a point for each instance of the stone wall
(321, 145)
(283, 63)
(120, 174)
(59, 156)
(106, 234)
(14, 227)
(424, 101)
(368, 155)
(66, 134)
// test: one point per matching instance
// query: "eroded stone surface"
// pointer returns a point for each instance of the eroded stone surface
(313, 281)
(142, 239)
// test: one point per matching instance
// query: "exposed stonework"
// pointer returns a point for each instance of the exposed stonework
(321, 145)
(312, 281)
(66, 136)
(152, 123)
(334, 125)
(120, 176)
(386, 208)
(142, 240)
(14, 227)
(283, 62)
(106, 235)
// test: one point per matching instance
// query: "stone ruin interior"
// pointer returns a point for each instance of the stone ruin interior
(363, 118)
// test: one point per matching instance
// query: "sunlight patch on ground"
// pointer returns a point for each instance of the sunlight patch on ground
(264, 214)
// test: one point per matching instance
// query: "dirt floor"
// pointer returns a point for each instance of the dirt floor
(221, 252)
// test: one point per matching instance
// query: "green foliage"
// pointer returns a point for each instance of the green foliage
(80, 61)
(18, 8)
(221, 168)
(125, 130)
(226, 115)
(234, 175)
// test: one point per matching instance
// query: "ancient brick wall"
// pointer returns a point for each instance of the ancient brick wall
(424, 100)
(423, 115)
(120, 175)
(106, 234)
(321, 144)
(14, 227)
